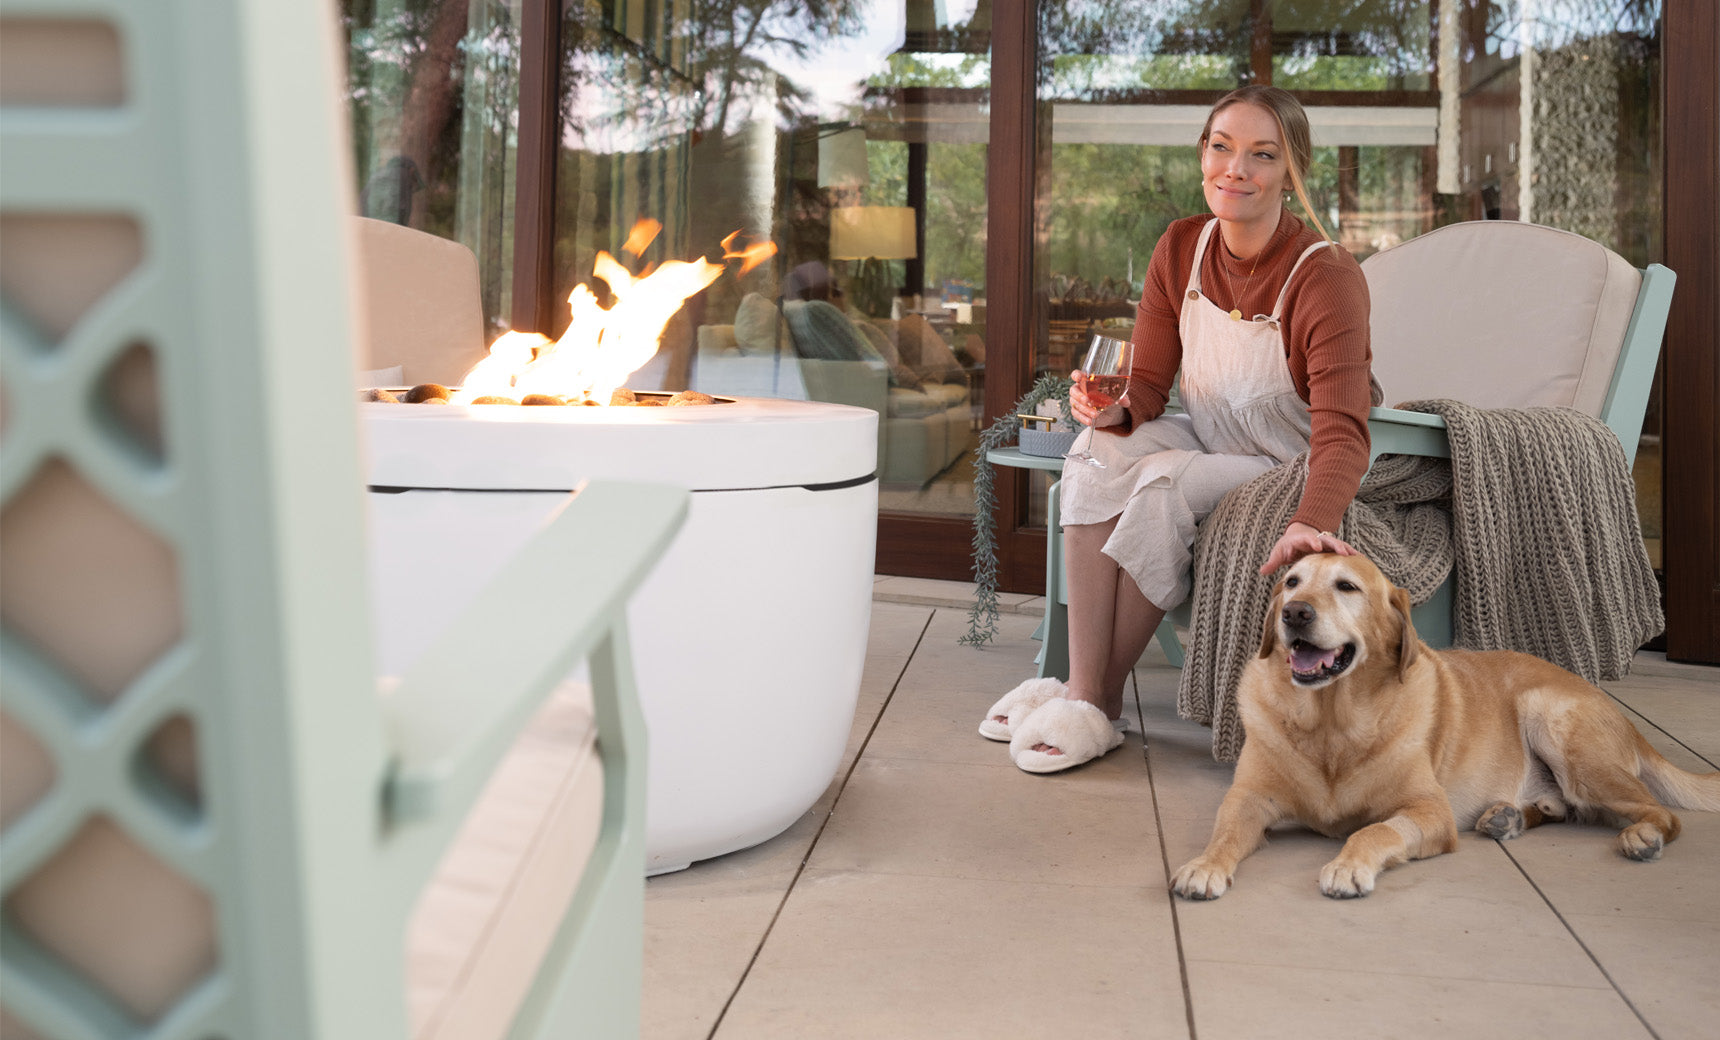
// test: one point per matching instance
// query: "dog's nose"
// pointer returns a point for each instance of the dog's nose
(1298, 614)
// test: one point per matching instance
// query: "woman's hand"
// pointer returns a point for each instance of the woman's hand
(1081, 406)
(1299, 540)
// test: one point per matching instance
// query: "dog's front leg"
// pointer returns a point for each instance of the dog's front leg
(1242, 821)
(1421, 828)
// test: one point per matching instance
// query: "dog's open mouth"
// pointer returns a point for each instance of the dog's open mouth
(1312, 664)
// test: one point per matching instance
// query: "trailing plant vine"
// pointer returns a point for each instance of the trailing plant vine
(982, 617)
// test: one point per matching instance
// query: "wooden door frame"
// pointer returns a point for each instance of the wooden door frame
(1690, 470)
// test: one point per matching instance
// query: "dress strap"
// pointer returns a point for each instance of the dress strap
(1284, 293)
(1199, 254)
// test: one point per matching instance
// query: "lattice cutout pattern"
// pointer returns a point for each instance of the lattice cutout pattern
(93, 594)
(29, 770)
(129, 403)
(170, 755)
(123, 919)
(60, 63)
(55, 268)
(87, 584)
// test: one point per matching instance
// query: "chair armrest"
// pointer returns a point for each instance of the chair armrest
(461, 705)
(1394, 431)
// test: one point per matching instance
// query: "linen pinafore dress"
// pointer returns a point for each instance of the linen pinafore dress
(1242, 416)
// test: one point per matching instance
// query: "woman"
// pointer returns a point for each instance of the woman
(1267, 321)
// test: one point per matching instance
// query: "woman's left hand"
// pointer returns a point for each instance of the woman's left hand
(1299, 540)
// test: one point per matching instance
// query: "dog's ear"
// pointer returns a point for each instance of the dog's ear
(1409, 644)
(1269, 638)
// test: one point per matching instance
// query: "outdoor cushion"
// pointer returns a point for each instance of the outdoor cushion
(490, 911)
(1438, 310)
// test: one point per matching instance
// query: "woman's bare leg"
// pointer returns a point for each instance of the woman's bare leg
(1110, 621)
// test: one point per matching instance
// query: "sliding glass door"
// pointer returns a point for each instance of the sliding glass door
(835, 153)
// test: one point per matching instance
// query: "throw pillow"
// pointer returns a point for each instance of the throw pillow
(900, 374)
(758, 327)
(823, 332)
(932, 358)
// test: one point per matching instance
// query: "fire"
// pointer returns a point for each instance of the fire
(602, 347)
(750, 256)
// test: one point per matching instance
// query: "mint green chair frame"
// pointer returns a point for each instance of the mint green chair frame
(1393, 431)
(321, 807)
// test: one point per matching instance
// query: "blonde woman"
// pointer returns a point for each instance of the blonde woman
(1267, 321)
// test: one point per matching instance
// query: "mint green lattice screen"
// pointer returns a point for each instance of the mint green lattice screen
(131, 481)
(100, 798)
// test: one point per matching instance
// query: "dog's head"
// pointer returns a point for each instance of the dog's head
(1331, 615)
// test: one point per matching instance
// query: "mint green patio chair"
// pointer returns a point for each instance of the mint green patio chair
(1495, 314)
(214, 820)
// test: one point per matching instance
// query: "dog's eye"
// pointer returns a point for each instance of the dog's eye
(1348, 586)
(1292, 581)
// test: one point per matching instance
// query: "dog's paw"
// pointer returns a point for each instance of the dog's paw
(1552, 808)
(1642, 841)
(1340, 879)
(1502, 822)
(1200, 880)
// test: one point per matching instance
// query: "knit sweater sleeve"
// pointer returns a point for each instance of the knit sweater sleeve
(1158, 342)
(1326, 320)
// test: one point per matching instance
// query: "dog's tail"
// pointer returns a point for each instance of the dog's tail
(1674, 786)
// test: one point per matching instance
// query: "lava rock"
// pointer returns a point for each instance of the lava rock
(426, 392)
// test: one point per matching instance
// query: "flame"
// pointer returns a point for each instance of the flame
(643, 234)
(601, 347)
(750, 256)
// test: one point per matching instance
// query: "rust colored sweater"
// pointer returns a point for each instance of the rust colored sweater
(1325, 342)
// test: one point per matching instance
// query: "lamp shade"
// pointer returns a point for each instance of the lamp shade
(872, 232)
(842, 159)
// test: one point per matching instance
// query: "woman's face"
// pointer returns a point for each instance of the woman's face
(1244, 166)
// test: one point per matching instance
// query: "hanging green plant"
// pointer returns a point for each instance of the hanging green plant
(982, 617)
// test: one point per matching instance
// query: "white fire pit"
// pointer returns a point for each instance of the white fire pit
(750, 636)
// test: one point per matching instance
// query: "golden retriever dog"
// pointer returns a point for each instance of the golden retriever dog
(1359, 730)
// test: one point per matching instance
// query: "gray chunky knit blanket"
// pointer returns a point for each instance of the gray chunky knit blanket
(1536, 510)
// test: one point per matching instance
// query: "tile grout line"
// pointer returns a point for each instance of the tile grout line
(859, 753)
(1165, 859)
(1627, 706)
(1596, 961)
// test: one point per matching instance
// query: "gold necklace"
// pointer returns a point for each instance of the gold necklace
(1236, 297)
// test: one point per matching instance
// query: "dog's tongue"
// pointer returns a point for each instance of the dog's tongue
(1306, 657)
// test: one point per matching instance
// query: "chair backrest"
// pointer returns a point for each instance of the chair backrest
(418, 304)
(212, 823)
(1500, 314)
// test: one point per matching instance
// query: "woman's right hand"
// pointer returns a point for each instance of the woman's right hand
(1081, 406)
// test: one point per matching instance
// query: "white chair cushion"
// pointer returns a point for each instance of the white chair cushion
(1499, 314)
(418, 301)
(490, 912)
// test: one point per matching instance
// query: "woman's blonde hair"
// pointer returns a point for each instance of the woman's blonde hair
(1292, 120)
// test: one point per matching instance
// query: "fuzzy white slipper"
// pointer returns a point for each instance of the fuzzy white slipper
(1078, 729)
(1017, 704)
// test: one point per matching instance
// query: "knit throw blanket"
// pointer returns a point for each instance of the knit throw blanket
(1536, 509)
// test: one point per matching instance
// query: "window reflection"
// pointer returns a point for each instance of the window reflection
(1423, 112)
(852, 136)
(433, 99)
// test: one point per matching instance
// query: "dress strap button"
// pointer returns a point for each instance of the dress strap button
(1194, 294)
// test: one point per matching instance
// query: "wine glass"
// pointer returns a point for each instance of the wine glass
(1105, 379)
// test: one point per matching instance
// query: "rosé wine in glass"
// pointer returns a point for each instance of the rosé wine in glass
(1105, 381)
(1105, 391)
